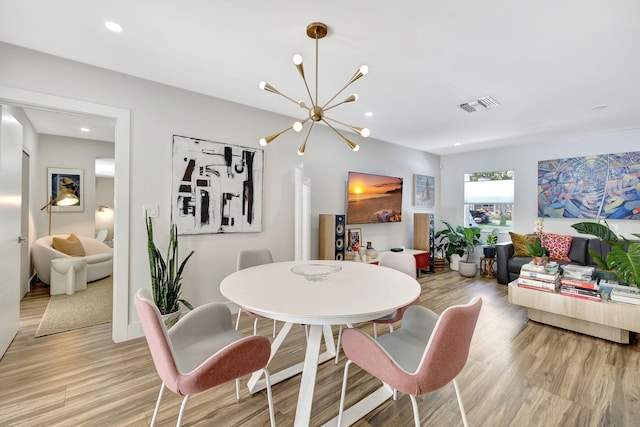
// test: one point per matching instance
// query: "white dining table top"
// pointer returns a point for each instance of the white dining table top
(357, 293)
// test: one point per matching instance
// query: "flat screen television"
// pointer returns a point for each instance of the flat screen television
(373, 198)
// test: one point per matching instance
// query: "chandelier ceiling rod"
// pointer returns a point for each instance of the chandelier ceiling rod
(317, 30)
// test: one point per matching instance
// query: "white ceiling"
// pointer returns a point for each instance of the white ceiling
(547, 62)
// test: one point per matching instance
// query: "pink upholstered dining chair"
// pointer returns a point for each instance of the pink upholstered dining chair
(251, 258)
(401, 262)
(424, 355)
(201, 351)
(405, 263)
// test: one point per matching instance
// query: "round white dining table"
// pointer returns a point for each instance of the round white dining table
(358, 292)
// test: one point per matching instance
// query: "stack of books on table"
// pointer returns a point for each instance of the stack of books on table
(536, 277)
(577, 281)
(630, 296)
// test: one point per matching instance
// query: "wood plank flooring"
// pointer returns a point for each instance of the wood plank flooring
(519, 373)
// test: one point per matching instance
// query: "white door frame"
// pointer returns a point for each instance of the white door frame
(25, 98)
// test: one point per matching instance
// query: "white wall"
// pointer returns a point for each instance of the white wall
(158, 112)
(69, 153)
(524, 160)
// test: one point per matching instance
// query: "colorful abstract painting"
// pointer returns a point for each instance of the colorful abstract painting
(599, 186)
(216, 187)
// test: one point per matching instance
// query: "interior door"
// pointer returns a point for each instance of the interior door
(10, 210)
(25, 261)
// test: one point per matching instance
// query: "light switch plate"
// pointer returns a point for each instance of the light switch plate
(150, 210)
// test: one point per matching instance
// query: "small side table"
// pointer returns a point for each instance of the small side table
(68, 275)
(486, 267)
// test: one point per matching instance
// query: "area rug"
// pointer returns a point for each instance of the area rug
(84, 308)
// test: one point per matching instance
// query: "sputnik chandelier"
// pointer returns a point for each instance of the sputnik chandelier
(317, 30)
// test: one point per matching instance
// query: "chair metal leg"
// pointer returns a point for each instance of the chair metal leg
(255, 326)
(237, 388)
(184, 405)
(238, 319)
(338, 345)
(267, 381)
(462, 412)
(416, 415)
(375, 330)
(155, 411)
(344, 392)
(274, 329)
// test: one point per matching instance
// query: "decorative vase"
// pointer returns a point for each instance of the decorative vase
(467, 268)
(371, 252)
(454, 261)
(540, 260)
(171, 318)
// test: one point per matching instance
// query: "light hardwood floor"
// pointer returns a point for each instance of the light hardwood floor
(519, 373)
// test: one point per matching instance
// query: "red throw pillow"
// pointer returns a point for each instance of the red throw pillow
(558, 246)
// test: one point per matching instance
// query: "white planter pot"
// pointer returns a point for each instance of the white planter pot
(454, 260)
(171, 318)
(467, 269)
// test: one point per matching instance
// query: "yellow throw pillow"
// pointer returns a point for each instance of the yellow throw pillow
(70, 246)
(520, 243)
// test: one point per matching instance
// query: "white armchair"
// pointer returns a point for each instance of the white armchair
(99, 257)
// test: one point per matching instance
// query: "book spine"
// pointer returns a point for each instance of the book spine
(588, 297)
(627, 300)
(539, 276)
(536, 288)
(579, 284)
(537, 283)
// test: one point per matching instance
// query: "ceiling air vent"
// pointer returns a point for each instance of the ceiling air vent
(484, 103)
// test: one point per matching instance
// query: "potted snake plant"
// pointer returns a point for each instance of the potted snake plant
(166, 276)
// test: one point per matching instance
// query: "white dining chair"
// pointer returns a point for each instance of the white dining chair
(250, 258)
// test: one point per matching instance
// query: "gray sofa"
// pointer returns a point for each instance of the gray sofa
(508, 266)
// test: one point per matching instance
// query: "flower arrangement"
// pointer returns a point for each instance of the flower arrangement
(538, 249)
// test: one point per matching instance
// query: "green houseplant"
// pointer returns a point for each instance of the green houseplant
(623, 258)
(491, 240)
(471, 239)
(460, 241)
(166, 273)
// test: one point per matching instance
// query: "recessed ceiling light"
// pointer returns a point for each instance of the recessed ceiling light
(368, 114)
(113, 26)
(85, 129)
(457, 144)
(599, 107)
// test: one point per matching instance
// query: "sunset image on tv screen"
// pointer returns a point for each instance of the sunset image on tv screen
(373, 198)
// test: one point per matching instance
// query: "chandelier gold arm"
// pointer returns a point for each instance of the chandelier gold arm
(267, 87)
(361, 72)
(352, 98)
(297, 61)
(351, 144)
(363, 132)
(267, 139)
(304, 144)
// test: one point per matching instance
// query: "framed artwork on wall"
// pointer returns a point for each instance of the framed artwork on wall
(216, 187)
(424, 190)
(354, 239)
(65, 183)
(598, 186)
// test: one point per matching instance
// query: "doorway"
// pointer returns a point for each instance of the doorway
(23, 98)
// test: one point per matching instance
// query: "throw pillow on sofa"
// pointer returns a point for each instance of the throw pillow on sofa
(70, 246)
(558, 246)
(520, 243)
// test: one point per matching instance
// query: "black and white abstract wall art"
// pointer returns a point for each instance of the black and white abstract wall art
(216, 187)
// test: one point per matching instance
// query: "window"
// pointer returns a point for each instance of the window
(488, 199)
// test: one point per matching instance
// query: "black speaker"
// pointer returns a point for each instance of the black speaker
(332, 233)
(340, 230)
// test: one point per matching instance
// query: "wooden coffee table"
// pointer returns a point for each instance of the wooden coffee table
(609, 320)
